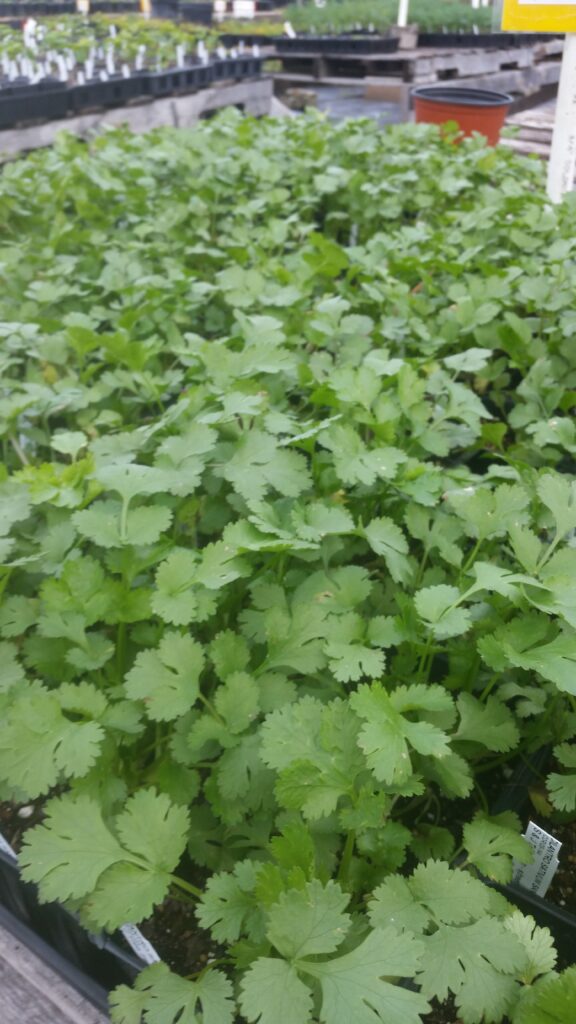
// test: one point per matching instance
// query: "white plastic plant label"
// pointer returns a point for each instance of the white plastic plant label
(537, 876)
(6, 848)
(288, 30)
(144, 949)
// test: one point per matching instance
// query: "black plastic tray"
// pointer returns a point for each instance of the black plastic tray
(93, 964)
(561, 922)
(336, 44)
(22, 103)
(484, 40)
(201, 13)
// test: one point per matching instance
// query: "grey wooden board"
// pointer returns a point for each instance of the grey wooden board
(31, 993)
(253, 95)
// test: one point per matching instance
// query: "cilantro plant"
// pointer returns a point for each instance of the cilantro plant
(287, 526)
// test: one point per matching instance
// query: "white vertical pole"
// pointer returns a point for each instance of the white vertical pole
(402, 14)
(562, 164)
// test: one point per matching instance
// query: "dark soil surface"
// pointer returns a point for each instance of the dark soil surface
(177, 938)
(562, 891)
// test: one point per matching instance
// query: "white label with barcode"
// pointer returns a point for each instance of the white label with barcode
(144, 949)
(538, 875)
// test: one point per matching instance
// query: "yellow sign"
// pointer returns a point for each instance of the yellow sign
(539, 16)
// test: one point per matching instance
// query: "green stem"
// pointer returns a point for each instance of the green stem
(121, 650)
(124, 519)
(186, 886)
(346, 860)
(489, 686)
(471, 556)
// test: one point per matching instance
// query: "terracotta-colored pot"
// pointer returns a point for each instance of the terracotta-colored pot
(474, 110)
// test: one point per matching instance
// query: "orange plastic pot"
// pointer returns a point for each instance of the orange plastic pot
(473, 110)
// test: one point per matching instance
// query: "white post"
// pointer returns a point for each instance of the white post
(402, 13)
(562, 164)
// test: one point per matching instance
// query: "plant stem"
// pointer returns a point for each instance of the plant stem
(346, 859)
(186, 886)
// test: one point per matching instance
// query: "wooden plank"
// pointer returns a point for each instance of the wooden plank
(31, 993)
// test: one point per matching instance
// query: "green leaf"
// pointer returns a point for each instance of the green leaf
(238, 701)
(437, 607)
(435, 892)
(489, 723)
(170, 999)
(387, 540)
(228, 907)
(38, 744)
(562, 788)
(387, 735)
(558, 494)
(537, 943)
(357, 987)
(309, 921)
(491, 844)
(167, 680)
(550, 1001)
(120, 876)
(474, 962)
(269, 984)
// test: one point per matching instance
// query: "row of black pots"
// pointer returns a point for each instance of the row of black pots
(481, 40)
(336, 44)
(53, 101)
(94, 964)
(170, 9)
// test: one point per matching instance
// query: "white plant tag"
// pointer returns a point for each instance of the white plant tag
(144, 949)
(289, 31)
(537, 876)
(255, 50)
(125, 71)
(6, 848)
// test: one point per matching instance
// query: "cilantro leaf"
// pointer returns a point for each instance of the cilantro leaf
(167, 679)
(435, 892)
(269, 984)
(474, 962)
(388, 540)
(438, 608)
(491, 844)
(562, 788)
(353, 986)
(309, 921)
(165, 998)
(38, 744)
(120, 876)
(489, 723)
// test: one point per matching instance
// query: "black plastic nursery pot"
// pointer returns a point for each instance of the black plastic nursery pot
(249, 39)
(26, 103)
(114, 6)
(165, 9)
(92, 964)
(113, 92)
(516, 797)
(199, 13)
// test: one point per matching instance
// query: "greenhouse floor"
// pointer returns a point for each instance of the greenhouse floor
(31, 993)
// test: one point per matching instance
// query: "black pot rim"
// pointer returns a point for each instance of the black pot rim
(460, 96)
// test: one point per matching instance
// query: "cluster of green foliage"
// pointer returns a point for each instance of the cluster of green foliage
(287, 523)
(347, 15)
(80, 35)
